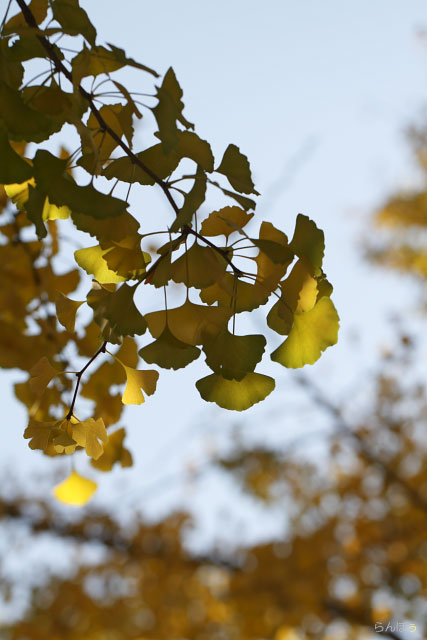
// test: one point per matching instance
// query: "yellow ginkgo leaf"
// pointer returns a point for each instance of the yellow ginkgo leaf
(137, 380)
(90, 434)
(18, 192)
(75, 490)
(41, 374)
(66, 310)
(93, 262)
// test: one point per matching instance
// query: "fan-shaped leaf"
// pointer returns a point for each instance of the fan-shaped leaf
(237, 395)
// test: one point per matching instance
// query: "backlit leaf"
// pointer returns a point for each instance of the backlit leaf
(90, 434)
(312, 332)
(235, 166)
(41, 374)
(118, 309)
(74, 19)
(136, 381)
(22, 122)
(233, 356)
(192, 202)
(198, 267)
(191, 323)
(76, 490)
(93, 262)
(218, 221)
(169, 352)
(169, 110)
(237, 395)
(308, 241)
(66, 310)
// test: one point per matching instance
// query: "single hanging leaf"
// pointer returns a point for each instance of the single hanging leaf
(66, 310)
(218, 222)
(237, 395)
(191, 146)
(308, 242)
(233, 356)
(41, 374)
(90, 434)
(312, 332)
(93, 262)
(13, 168)
(75, 490)
(169, 110)
(74, 19)
(136, 381)
(114, 452)
(192, 202)
(235, 167)
(168, 352)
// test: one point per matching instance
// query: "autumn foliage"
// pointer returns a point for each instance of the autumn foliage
(220, 264)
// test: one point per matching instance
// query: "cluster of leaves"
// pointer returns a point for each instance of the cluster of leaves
(203, 256)
(353, 554)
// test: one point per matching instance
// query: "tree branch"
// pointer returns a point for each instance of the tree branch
(101, 349)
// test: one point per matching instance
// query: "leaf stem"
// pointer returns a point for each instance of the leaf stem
(79, 374)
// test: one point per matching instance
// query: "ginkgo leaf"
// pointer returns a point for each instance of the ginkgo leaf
(13, 168)
(118, 309)
(299, 290)
(198, 267)
(169, 110)
(280, 317)
(108, 229)
(93, 262)
(90, 434)
(136, 381)
(38, 9)
(312, 332)
(243, 201)
(41, 434)
(22, 122)
(235, 166)
(233, 356)
(18, 192)
(308, 241)
(114, 452)
(74, 19)
(237, 395)
(218, 222)
(192, 202)
(61, 189)
(126, 258)
(191, 323)
(98, 60)
(41, 374)
(66, 310)
(76, 490)
(64, 443)
(168, 352)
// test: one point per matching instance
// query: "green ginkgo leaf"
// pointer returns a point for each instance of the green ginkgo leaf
(233, 356)
(308, 242)
(168, 352)
(74, 19)
(225, 221)
(169, 110)
(192, 202)
(13, 168)
(51, 178)
(312, 332)
(237, 395)
(117, 310)
(22, 122)
(198, 267)
(235, 166)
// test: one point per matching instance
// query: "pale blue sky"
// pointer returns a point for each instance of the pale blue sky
(337, 79)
